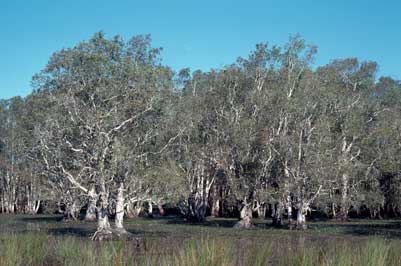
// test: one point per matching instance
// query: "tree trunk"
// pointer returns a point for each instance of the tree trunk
(72, 211)
(103, 223)
(301, 219)
(343, 214)
(36, 207)
(150, 209)
(277, 214)
(133, 209)
(302, 206)
(197, 207)
(262, 211)
(245, 217)
(161, 210)
(28, 208)
(215, 202)
(120, 208)
(2, 203)
(104, 230)
(200, 192)
(215, 208)
(257, 208)
(289, 211)
(332, 204)
(91, 207)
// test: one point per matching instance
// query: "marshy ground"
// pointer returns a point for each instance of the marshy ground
(46, 240)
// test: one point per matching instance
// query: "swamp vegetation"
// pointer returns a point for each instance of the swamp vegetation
(271, 143)
(43, 240)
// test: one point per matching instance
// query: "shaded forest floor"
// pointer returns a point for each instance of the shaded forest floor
(173, 241)
(219, 227)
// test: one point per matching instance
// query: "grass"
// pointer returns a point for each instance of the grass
(43, 240)
(33, 249)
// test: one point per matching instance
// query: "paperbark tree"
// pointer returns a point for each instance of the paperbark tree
(102, 90)
(109, 129)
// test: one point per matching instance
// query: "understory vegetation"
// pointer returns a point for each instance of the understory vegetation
(43, 240)
(38, 250)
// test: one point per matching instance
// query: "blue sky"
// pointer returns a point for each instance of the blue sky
(198, 34)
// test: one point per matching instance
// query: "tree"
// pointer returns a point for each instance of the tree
(101, 90)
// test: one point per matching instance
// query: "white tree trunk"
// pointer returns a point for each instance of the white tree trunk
(289, 210)
(301, 219)
(133, 209)
(103, 223)
(120, 208)
(344, 198)
(245, 217)
(104, 230)
(36, 208)
(2, 203)
(161, 210)
(91, 209)
(72, 211)
(198, 199)
(215, 208)
(150, 209)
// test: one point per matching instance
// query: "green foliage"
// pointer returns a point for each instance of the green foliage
(269, 129)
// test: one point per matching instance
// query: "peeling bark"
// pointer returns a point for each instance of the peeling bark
(200, 187)
(104, 231)
(301, 219)
(72, 211)
(120, 207)
(103, 225)
(245, 217)
(91, 207)
(103, 213)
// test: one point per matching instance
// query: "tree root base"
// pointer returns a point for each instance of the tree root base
(66, 219)
(117, 234)
(244, 225)
(90, 219)
(301, 227)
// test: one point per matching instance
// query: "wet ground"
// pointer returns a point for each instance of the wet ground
(175, 229)
(173, 235)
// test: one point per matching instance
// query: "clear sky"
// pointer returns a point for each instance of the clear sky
(199, 34)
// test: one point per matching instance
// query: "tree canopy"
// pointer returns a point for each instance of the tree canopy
(111, 130)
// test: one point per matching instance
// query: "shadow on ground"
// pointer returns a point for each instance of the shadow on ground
(179, 227)
(227, 223)
(388, 229)
(42, 219)
(70, 231)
